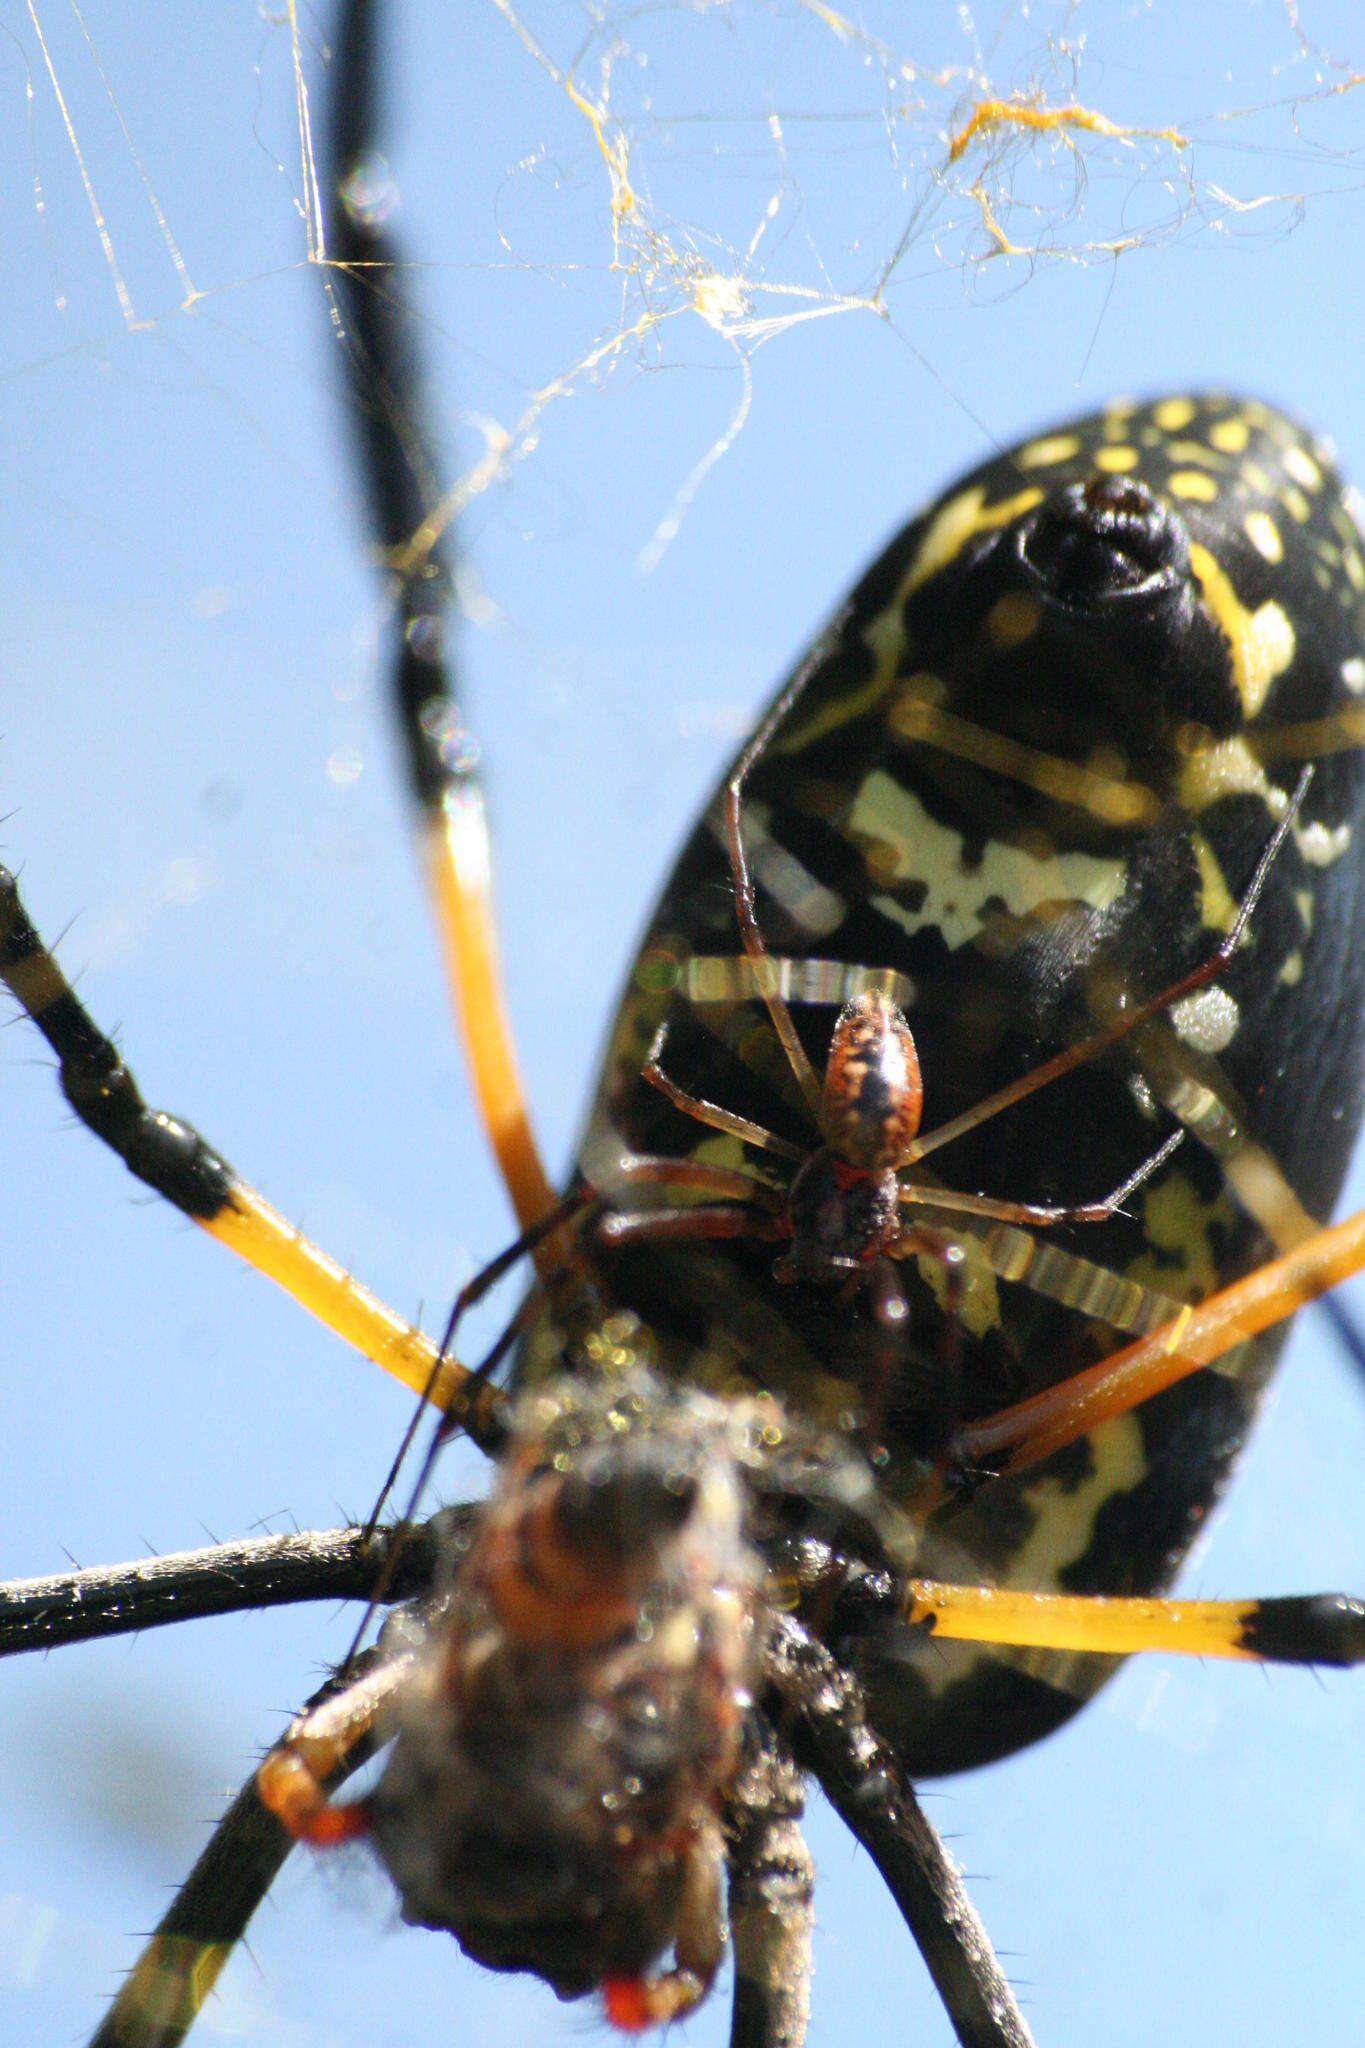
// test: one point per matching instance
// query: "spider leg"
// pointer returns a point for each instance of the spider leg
(744, 887)
(634, 2003)
(410, 521)
(172, 1158)
(1045, 1422)
(294, 1778)
(1015, 1255)
(745, 1206)
(1127, 1021)
(771, 1894)
(1317, 1628)
(221, 1578)
(819, 1709)
(1038, 1214)
(710, 1113)
(162, 1995)
(642, 1169)
(690, 1226)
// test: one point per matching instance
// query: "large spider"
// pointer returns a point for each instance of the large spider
(162, 1088)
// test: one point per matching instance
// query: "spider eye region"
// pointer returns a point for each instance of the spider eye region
(873, 1094)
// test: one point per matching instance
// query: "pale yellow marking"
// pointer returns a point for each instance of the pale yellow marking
(1353, 674)
(1192, 483)
(1173, 413)
(1295, 504)
(1230, 436)
(1261, 642)
(1300, 465)
(1177, 1223)
(1256, 479)
(817, 910)
(956, 902)
(1355, 568)
(977, 1305)
(1118, 458)
(1013, 618)
(1217, 904)
(1066, 1515)
(1052, 448)
(1291, 971)
(1322, 845)
(1264, 536)
(1345, 518)
(955, 523)
(1303, 903)
(1227, 769)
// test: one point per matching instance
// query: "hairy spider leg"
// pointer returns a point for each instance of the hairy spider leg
(172, 1158)
(292, 1779)
(159, 2000)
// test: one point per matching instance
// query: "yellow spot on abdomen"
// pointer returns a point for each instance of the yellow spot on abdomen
(1300, 465)
(1013, 618)
(1229, 436)
(1119, 458)
(1052, 448)
(1192, 483)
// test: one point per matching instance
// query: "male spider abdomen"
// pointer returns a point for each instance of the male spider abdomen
(1045, 745)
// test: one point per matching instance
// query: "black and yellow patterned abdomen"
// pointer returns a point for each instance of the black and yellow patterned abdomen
(1049, 739)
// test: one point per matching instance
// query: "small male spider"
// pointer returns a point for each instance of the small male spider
(842, 1215)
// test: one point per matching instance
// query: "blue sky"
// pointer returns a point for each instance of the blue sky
(195, 774)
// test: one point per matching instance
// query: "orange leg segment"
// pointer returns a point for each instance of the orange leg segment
(1046, 1422)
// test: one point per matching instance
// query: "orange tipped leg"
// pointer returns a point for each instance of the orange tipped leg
(292, 1779)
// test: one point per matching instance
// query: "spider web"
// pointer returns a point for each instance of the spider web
(712, 295)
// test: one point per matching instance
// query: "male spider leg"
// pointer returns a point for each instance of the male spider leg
(1045, 1422)
(177, 1163)
(480, 1407)
(711, 1113)
(1128, 1020)
(1038, 1214)
(691, 1226)
(393, 441)
(765, 979)
(745, 1206)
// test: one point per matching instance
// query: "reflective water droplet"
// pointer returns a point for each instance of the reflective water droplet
(370, 192)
